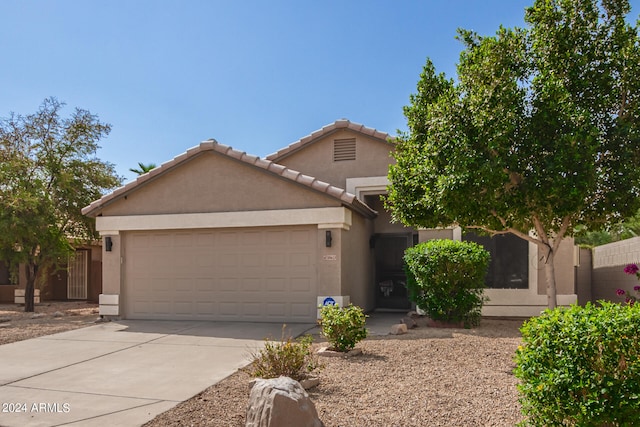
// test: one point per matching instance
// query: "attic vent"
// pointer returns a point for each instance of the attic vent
(344, 149)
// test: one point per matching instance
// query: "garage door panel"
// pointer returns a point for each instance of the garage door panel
(228, 308)
(161, 308)
(276, 309)
(252, 260)
(300, 284)
(276, 284)
(183, 308)
(276, 260)
(277, 238)
(254, 309)
(303, 310)
(252, 238)
(263, 274)
(300, 260)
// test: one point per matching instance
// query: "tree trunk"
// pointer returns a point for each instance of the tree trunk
(29, 292)
(550, 272)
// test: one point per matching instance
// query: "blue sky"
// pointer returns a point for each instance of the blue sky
(256, 75)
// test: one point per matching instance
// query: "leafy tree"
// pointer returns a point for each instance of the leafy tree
(622, 230)
(539, 133)
(142, 168)
(48, 172)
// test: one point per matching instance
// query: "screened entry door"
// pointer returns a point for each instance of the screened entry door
(78, 275)
(391, 281)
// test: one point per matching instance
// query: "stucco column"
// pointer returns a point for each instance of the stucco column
(329, 261)
(110, 298)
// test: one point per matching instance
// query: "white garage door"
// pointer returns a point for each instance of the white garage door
(263, 274)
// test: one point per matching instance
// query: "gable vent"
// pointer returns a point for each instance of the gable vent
(344, 149)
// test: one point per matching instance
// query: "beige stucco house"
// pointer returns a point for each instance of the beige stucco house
(219, 234)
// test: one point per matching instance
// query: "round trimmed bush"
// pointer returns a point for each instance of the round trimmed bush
(343, 327)
(445, 278)
(580, 366)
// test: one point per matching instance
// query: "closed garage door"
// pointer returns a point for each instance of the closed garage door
(263, 274)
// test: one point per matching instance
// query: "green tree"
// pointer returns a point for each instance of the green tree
(48, 172)
(142, 168)
(622, 230)
(538, 134)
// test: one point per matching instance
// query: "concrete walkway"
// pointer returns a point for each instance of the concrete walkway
(122, 373)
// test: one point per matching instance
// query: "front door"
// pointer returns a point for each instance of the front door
(78, 275)
(391, 281)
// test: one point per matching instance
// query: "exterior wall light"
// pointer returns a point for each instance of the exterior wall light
(108, 243)
(328, 238)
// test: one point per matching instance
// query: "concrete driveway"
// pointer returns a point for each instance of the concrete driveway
(122, 373)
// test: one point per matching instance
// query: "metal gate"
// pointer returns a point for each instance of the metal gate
(78, 276)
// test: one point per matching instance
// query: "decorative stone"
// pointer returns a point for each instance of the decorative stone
(410, 322)
(398, 329)
(58, 314)
(309, 383)
(37, 315)
(329, 352)
(280, 402)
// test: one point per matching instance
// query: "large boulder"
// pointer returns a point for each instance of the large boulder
(280, 402)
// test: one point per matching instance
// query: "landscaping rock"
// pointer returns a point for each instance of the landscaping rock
(38, 315)
(398, 329)
(309, 383)
(58, 314)
(409, 321)
(280, 402)
(328, 352)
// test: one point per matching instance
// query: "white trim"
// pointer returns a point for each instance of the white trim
(339, 217)
(109, 304)
(369, 184)
(340, 301)
(527, 308)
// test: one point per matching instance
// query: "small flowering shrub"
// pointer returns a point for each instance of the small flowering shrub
(343, 327)
(445, 278)
(580, 366)
(630, 298)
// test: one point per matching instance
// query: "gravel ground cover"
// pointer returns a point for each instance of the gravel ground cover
(48, 318)
(428, 377)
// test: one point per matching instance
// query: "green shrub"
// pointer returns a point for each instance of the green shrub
(580, 366)
(289, 358)
(445, 278)
(343, 327)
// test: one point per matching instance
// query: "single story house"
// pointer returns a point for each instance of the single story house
(219, 234)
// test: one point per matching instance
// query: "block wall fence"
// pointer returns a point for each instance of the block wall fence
(608, 262)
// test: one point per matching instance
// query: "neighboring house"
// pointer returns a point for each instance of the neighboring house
(79, 279)
(218, 234)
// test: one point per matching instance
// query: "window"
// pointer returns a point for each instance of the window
(509, 266)
(344, 149)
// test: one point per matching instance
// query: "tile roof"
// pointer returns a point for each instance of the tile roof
(337, 125)
(212, 145)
